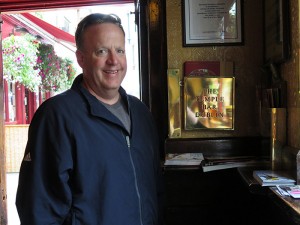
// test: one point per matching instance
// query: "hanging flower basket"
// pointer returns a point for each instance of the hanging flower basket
(19, 60)
(35, 64)
(56, 73)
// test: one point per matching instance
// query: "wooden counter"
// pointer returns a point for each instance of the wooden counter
(229, 196)
(286, 204)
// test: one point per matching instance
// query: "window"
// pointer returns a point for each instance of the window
(67, 20)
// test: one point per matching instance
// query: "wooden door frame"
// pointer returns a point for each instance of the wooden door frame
(153, 61)
(3, 195)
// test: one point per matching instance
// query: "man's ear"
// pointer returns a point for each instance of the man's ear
(80, 58)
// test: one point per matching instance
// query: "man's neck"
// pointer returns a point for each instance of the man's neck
(109, 99)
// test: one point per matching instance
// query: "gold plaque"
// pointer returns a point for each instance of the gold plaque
(209, 103)
(174, 103)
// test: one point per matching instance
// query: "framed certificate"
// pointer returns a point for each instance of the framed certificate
(213, 22)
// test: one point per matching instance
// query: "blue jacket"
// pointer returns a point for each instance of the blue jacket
(81, 167)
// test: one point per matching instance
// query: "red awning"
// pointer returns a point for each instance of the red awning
(10, 23)
(54, 31)
(9, 5)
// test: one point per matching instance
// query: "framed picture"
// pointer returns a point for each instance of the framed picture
(276, 26)
(213, 22)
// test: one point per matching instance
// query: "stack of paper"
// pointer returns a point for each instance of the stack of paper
(185, 159)
(211, 163)
(289, 190)
(273, 178)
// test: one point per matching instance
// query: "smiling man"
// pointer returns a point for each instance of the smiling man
(103, 60)
(92, 156)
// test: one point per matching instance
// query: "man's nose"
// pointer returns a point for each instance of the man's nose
(112, 58)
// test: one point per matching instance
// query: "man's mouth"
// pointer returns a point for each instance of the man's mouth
(111, 71)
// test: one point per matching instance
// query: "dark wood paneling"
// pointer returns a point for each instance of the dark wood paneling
(216, 198)
(234, 146)
(153, 62)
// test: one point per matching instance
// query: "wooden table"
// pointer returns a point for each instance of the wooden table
(287, 204)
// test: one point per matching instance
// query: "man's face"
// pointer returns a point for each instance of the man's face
(103, 59)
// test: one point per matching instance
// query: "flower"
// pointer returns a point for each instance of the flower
(19, 58)
(56, 73)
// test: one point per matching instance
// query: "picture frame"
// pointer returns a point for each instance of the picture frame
(276, 31)
(212, 23)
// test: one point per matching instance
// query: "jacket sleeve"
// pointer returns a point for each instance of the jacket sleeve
(43, 195)
(159, 177)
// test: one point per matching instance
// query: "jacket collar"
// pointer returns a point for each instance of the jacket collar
(96, 107)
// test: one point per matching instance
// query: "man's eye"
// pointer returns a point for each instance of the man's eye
(101, 52)
(121, 51)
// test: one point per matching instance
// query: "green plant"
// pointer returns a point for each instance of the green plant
(19, 60)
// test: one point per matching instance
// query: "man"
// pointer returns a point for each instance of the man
(92, 155)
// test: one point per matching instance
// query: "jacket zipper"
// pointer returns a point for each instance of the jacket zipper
(135, 178)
